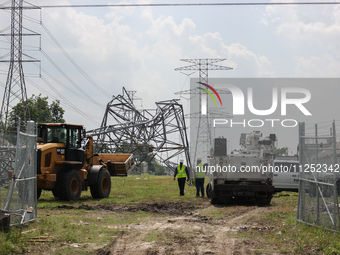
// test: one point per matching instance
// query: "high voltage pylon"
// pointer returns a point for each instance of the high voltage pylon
(147, 134)
(204, 132)
(15, 85)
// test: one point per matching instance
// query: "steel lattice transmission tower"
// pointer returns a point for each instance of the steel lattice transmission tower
(158, 133)
(204, 131)
(15, 85)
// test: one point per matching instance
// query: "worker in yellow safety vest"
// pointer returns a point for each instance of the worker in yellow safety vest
(199, 177)
(182, 173)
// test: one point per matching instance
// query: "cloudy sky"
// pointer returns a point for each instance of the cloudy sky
(139, 47)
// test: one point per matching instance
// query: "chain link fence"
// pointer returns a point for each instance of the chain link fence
(7, 157)
(18, 188)
(319, 155)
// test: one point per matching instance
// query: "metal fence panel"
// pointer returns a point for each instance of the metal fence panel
(319, 174)
(7, 160)
(19, 189)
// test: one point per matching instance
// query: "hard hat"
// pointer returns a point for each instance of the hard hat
(199, 159)
(181, 160)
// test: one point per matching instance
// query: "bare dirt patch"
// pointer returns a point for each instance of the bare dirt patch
(189, 233)
(171, 208)
(180, 227)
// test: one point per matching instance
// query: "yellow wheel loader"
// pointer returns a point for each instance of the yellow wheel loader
(66, 164)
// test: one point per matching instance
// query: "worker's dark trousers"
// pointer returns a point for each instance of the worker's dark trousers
(181, 184)
(199, 186)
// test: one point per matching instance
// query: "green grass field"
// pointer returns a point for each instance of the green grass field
(132, 189)
(90, 224)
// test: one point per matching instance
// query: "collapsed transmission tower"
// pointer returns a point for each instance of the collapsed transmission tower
(205, 133)
(15, 85)
(146, 134)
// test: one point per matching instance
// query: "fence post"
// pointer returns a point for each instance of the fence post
(336, 208)
(301, 197)
(317, 178)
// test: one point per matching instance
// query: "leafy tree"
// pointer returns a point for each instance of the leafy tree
(281, 151)
(159, 169)
(57, 112)
(40, 111)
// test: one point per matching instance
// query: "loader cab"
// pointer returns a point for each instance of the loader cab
(69, 135)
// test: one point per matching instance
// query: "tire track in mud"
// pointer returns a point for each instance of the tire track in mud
(232, 245)
(190, 234)
(171, 208)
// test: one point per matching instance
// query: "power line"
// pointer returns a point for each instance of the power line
(72, 107)
(69, 89)
(17, 7)
(70, 80)
(67, 101)
(172, 5)
(68, 104)
(70, 41)
(74, 63)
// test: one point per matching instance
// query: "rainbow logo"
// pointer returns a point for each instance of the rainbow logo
(208, 92)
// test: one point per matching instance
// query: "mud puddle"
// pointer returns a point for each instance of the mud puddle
(172, 208)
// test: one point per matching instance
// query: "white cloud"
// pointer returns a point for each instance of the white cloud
(140, 59)
(119, 14)
(322, 66)
(170, 38)
(316, 34)
(264, 21)
(315, 26)
(247, 63)
(311, 33)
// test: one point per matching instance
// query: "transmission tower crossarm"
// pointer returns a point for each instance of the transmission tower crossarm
(196, 92)
(209, 60)
(203, 64)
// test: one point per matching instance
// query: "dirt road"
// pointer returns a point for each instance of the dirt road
(179, 228)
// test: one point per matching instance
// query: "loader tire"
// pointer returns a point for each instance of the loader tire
(102, 188)
(55, 193)
(208, 190)
(214, 201)
(39, 190)
(264, 201)
(69, 185)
